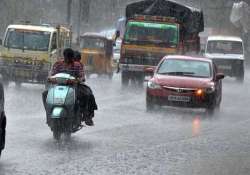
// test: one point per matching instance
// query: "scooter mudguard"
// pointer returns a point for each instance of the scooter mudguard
(57, 112)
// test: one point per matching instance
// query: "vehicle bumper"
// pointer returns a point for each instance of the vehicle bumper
(30, 73)
(232, 67)
(205, 101)
(134, 67)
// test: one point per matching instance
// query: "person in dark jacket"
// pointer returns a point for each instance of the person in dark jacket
(88, 106)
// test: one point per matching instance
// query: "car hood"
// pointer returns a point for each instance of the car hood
(224, 56)
(183, 82)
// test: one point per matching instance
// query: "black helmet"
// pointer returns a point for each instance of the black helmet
(68, 55)
(77, 55)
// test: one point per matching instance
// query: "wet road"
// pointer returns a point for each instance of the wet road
(128, 140)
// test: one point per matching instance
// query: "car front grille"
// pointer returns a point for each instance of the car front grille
(180, 90)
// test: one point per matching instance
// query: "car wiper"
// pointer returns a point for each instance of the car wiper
(177, 73)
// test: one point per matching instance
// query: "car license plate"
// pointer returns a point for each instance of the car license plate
(178, 98)
(225, 67)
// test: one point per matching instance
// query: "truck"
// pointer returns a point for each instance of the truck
(155, 29)
(28, 51)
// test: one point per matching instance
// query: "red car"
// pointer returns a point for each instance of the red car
(185, 81)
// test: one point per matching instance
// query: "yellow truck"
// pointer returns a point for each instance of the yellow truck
(28, 51)
(154, 29)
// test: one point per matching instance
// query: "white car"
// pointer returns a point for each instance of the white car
(227, 53)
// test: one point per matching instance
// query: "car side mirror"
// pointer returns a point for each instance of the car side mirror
(149, 70)
(220, 76)
(149, 73)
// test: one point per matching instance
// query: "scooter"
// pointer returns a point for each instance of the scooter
(62, 109)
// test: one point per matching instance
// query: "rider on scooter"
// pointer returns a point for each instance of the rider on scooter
(68, 65)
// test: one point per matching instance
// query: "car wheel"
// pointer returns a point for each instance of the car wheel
(125, 79)
(213, 109)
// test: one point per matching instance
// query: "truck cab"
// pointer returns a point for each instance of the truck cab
(153, 30)
(28, 51)
(227, 52)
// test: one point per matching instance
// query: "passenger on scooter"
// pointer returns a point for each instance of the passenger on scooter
(85, 92)
(68, 65)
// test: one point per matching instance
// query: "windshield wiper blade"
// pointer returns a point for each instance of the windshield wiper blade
(178, 73)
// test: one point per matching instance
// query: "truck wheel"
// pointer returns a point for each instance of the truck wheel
(140, 80)
(5, 80)
(110, 75)
(125, 79)
(240, 77)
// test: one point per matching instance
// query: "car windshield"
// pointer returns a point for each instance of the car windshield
(225, 47)
(27, 40)
(92, 43)
(165, 34)
(179, 67)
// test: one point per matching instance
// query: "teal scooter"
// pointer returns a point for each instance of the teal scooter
(62, 109)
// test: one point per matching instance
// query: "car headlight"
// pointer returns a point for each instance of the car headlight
(153, 85)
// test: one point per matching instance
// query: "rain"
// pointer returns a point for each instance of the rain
(134, 132)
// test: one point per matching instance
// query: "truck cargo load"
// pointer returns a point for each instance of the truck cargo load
(191, 18)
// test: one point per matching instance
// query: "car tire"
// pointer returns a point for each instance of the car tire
(18, 84)
(125, 78)
(213, 109)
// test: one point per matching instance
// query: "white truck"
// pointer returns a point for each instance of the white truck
(227, 52)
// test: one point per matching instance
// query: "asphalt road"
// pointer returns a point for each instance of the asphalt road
(128, 140)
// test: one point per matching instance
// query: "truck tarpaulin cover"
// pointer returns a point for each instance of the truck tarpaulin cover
(191, 18)
(240, 15)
